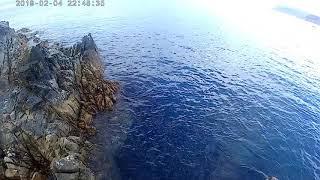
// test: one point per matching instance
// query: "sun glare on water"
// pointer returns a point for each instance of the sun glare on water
(293, 37)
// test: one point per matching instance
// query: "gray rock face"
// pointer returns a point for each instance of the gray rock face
(69, 164)
(49, 95)
(70, 168)
(5, 46)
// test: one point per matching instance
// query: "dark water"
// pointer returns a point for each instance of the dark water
(204, 101)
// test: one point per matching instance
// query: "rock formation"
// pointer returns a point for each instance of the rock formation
(49, 95)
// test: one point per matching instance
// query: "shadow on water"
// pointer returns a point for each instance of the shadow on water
(217, 164)
(225, 168)
(112, 128)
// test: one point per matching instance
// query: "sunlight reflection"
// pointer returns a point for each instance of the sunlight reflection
(285, 34)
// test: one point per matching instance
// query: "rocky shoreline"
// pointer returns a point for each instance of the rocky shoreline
(49, 95)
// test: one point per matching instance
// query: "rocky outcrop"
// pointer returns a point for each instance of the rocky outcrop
(49, 95)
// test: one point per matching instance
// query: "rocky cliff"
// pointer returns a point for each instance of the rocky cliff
(49, 95)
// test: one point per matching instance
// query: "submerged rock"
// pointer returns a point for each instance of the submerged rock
(49, 94)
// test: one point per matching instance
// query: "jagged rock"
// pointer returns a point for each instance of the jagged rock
(49, 95)
(68, 146)
(58, 128)
(5, 34)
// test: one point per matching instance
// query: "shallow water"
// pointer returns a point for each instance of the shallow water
(200, 98)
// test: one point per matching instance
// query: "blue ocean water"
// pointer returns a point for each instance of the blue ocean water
(205, 101)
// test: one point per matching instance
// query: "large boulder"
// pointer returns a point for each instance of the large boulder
(71, 168)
